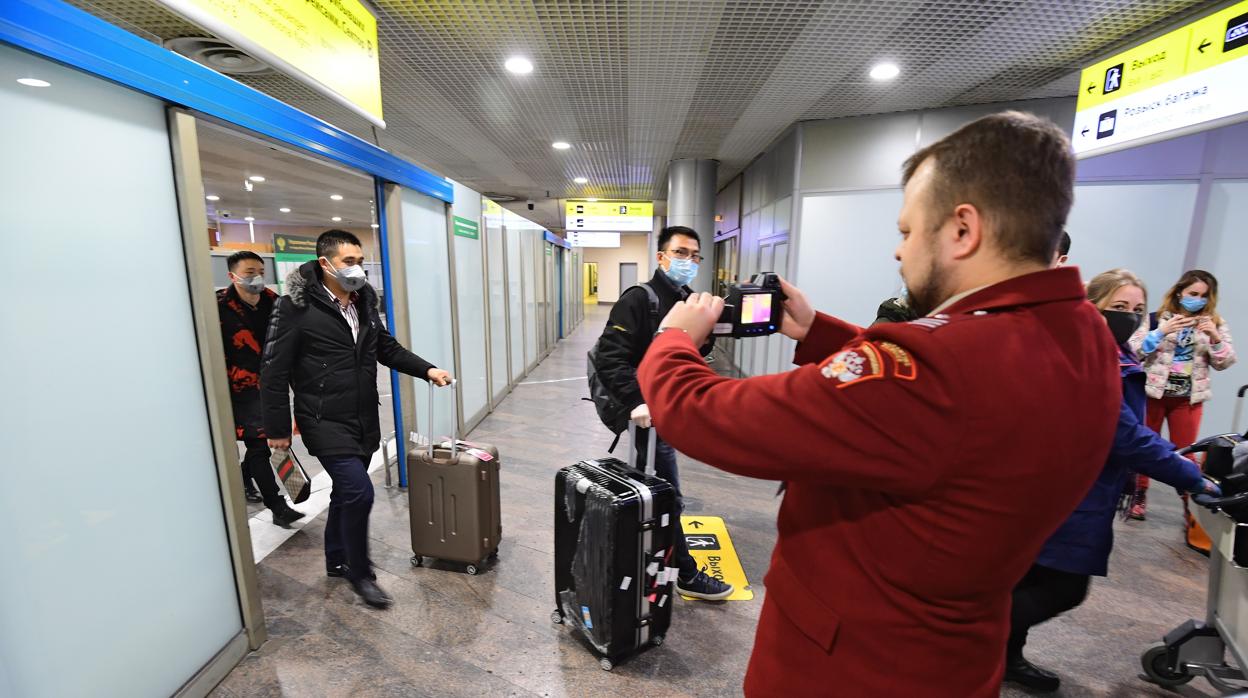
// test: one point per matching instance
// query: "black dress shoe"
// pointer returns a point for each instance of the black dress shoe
(252, 495)
(1020, 671)
(284, 515)
(371, 593)
(341, 571)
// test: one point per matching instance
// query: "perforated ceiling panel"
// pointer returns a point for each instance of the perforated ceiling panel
(633, 84)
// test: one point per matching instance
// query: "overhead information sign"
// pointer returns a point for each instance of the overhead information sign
(709, 544)
(583, 239)
(329, 45)
(615, 216)
(1192, 76)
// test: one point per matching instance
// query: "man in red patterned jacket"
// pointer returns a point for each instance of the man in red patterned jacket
(922, 473)
(245, 306)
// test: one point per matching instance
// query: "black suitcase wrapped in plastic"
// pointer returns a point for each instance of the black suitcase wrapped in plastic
(614, 529)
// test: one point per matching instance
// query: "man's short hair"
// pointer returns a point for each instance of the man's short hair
(241, 256)
(330, 240)
(1017, 169)
(1063, 247)
(666, 235)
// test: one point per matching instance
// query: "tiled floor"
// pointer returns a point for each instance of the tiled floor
(452, 634)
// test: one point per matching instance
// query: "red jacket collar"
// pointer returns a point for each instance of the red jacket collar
(1048, 286)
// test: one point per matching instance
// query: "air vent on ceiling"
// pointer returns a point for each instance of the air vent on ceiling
(494, 196)
(219, 55)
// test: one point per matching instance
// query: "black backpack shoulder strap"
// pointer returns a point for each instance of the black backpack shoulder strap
(654, 302)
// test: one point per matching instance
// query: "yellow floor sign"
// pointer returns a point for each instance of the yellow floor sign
(709, 544)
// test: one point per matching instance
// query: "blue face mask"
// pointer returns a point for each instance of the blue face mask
(1192, 304)
(682, 271)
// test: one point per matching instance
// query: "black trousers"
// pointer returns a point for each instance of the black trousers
(350, 502)
(1043, 593)
(256, 467)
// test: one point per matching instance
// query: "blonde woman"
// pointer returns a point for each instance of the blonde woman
(1189, 339)
(1079, 550)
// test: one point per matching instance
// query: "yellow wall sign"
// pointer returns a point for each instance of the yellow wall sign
(709, 544)
(610, 216)
(1192, 75)
(329, 45)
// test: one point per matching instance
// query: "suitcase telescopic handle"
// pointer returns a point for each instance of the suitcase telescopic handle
(454, 423)
(651, 444)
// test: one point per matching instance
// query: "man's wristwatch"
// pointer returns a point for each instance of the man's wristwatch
(661, 330)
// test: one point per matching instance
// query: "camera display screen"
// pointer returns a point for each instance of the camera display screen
(755, 308)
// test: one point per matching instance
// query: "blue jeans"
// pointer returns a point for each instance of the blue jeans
(665, 467)
(350, 503)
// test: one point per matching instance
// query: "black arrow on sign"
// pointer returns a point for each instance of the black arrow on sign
(696, 524)
(1084, 131)
(1091, 87)
(1203, 45)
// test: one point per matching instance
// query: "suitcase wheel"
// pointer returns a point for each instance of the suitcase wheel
(605, 664)
(417, 561)
(471, 569)
(656, 640)
(556, 617)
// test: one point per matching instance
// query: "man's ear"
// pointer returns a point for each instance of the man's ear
(968, 231)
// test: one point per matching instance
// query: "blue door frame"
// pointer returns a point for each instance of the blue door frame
(65, 34)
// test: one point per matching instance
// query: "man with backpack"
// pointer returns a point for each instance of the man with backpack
(613, 366)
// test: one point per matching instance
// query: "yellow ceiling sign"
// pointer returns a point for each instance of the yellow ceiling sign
(1186, 80)
(329, 45)
(641, 209)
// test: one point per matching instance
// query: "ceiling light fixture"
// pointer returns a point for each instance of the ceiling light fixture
(284, 210)
(885, 71)
(375, 226)
(33, 82)
(581, 180)
(213, 197)
(249, 219)
(336, 197)
(519, 65)
(256, 178)
(336, 219)
(561, 145)
(592, 199)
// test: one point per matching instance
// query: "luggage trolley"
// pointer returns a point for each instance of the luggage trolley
(1198, 648)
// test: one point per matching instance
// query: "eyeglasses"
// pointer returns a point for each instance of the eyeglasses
(682, 253)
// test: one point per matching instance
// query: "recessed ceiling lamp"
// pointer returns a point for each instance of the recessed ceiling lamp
(249, 219)
(592, 199)
(885, 71)
(519, 65)
(375, 226)
(581, 180)
(213, 197)
(33, 82)
(561, 145)
(336, 219)
(284, 210)
(256, 178)
(336, 197)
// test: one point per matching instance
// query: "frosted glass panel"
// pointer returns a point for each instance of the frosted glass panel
(528, 267)
(779, 347)
(1224, 252)
(493, 236)
(470, 289)
(1143, 226)
(117, 575)
(515, 307)
(429, 305)
(845, 261)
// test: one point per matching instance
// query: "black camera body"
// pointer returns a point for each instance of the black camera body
(752, 309)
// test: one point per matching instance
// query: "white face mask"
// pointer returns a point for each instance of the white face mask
(350, 278)
(251, 284)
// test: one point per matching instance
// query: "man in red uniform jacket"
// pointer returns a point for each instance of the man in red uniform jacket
(923, 476)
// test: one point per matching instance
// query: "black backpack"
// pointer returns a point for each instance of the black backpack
(613, 414)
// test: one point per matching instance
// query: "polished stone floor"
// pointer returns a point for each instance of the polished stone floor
(451, 634)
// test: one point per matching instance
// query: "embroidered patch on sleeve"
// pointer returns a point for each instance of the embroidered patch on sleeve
(850, 366)
(903, 364)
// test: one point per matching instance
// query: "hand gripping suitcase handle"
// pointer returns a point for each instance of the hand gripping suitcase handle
(454, 428)
(651, 444)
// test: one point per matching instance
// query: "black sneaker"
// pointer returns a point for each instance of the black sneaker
(704, 586)
(252, 494)
(1020, 671)
(284, 515)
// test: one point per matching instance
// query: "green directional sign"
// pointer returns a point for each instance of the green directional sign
(466, 228)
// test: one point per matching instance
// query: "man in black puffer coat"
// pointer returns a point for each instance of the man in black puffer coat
(324, 341)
